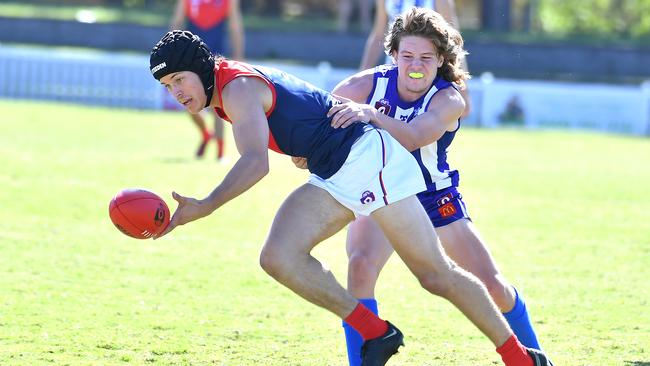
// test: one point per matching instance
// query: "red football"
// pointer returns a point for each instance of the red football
(139, 213)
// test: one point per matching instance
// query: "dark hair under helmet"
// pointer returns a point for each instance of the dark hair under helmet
(183, 51)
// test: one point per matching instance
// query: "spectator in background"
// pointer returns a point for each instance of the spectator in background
(513, 113)
(385, 13)
(345, 13)
(208, 19)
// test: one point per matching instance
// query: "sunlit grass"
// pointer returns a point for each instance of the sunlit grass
(566, 215)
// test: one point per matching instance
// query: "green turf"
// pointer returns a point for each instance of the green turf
(567, 216)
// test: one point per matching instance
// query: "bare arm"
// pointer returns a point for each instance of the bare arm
(236, 30)
(178, 18)
(375, 42)
(355, 88)
(244, 100)
(442, 115)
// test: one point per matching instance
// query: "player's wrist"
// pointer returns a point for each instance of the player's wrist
(209, 204)
(377, 118)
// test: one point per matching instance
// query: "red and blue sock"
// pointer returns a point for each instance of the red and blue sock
(353, 339)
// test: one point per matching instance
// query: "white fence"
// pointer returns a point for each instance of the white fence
(85, 77)
(534, 104)
(123, 80)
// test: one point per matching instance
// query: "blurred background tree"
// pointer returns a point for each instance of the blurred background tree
(626, 18)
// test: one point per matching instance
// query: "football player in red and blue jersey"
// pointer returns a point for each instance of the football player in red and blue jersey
(358, 170)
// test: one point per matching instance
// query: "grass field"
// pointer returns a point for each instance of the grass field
(567, 216)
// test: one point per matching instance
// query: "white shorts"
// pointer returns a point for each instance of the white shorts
(377, 172)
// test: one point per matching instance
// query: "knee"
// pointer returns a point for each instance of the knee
(440, 284)
(362, 269)
(500, 291)
(273, 261)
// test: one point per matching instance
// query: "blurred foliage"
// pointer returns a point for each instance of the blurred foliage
(622, 18)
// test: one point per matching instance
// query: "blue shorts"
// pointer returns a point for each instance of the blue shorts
(214, 37)
(444, 206)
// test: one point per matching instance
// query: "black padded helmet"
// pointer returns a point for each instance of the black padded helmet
(183, 51)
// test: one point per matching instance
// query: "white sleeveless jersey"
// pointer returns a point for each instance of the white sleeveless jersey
(432, 158)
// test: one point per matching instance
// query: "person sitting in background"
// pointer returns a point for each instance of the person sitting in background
(208, 20)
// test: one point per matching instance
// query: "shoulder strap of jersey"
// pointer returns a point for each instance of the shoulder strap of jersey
(439, 84)
(228, 70)
(381, 77)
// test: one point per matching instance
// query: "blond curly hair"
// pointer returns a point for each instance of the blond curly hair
(429, 24)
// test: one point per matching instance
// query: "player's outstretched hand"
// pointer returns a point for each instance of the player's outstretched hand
(345, 114)
(188, 210)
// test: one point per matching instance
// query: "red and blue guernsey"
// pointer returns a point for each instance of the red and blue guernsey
(206, 14)
(432, 158)
(298, 122)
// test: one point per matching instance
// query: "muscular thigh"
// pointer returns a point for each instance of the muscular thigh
(308, 216)
(411, 233)
(464, 245)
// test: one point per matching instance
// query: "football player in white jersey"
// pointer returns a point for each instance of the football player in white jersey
(385, 13)
(421, 88)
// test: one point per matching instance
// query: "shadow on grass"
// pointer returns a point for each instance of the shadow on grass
(637, 363)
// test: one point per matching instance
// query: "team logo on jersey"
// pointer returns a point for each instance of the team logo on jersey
(444, 199)
(367, 197)
(447, 210)
(383, 106)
